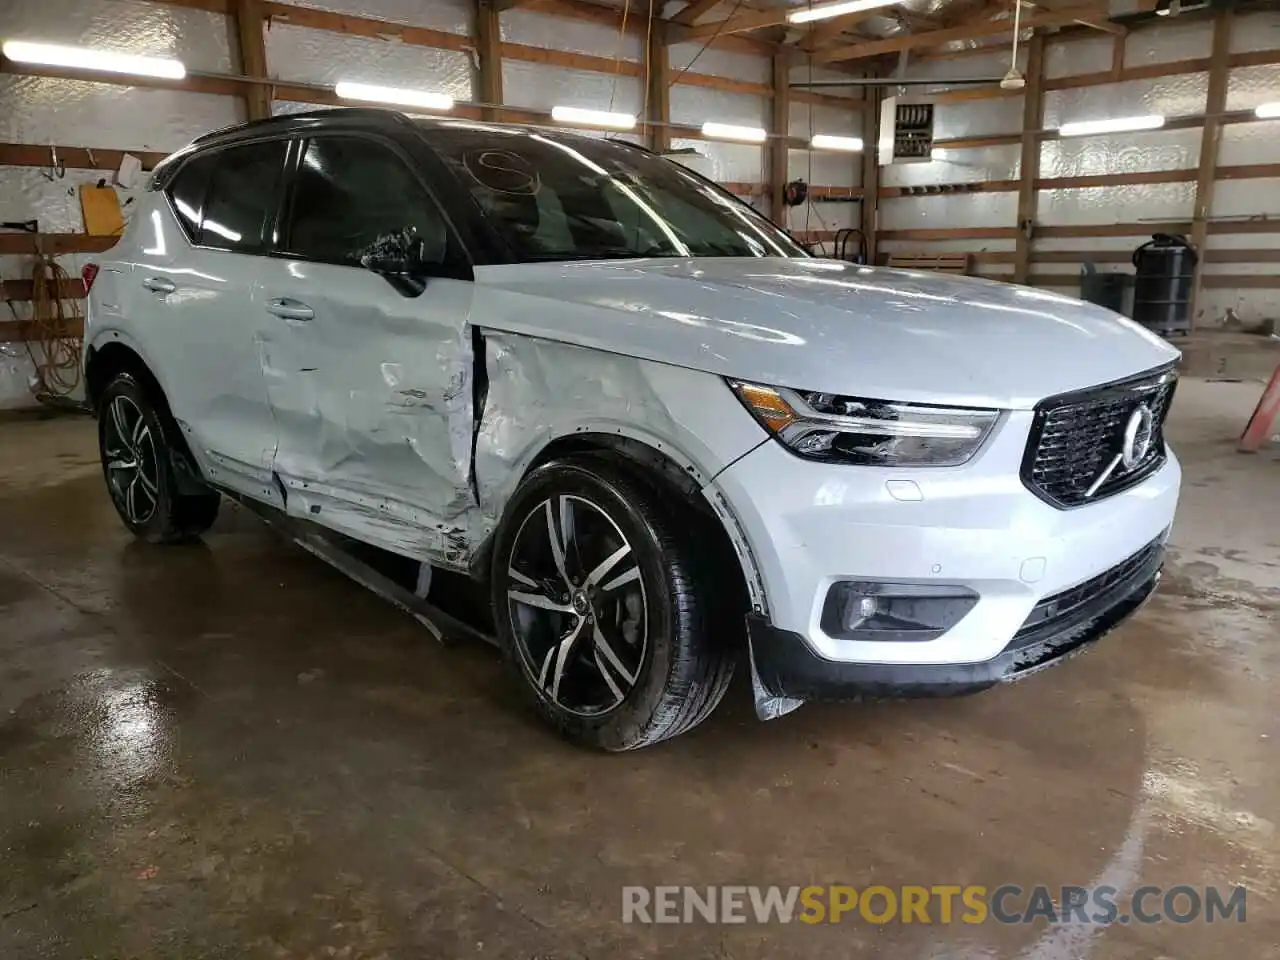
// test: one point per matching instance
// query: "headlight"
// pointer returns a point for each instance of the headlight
(836, 429)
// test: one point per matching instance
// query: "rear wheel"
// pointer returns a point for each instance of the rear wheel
(600, 609)
(137, 462)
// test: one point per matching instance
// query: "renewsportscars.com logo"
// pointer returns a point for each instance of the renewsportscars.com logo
(941, 903)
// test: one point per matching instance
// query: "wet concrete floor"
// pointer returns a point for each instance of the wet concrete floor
(231, 751)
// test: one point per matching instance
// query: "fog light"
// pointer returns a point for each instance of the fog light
(894, 612)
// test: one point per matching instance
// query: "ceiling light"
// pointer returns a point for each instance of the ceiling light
(1116, 125)
(593, 118)
(824, 11)
(731, 131)
(397, 95)
(937, 153)
(827, 141)
(82, 58)
(1267, 111)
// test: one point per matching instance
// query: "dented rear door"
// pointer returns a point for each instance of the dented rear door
(371, 387)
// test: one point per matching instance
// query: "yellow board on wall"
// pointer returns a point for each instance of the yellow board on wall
(101, 209)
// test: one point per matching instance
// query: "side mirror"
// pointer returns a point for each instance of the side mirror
(402, 259)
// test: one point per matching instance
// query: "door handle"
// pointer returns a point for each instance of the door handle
(290, 309)
(159, 285)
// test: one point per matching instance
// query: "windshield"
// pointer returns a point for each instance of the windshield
(558, 197)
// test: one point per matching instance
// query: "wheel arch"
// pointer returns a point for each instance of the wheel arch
(113, 353)
(667, 467)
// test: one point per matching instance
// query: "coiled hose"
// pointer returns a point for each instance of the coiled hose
(52, 334)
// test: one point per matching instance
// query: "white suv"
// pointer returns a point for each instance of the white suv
(634, 409)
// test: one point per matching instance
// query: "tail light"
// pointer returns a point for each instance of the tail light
(88, 274)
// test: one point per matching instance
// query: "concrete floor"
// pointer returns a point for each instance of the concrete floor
(231, 751)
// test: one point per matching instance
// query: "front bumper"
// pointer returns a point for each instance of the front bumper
(787, 666)
(811, 525)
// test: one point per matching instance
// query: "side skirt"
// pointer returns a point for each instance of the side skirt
(361, 563)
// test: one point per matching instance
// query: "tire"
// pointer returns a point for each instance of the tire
(620, 660)
(136, 445)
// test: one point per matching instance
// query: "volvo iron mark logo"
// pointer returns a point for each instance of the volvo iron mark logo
(1138, 433)
(1135, 444)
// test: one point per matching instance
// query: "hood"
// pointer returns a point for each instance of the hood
(826, 325)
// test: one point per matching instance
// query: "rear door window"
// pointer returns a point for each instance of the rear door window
(243, 192)
(187, 193)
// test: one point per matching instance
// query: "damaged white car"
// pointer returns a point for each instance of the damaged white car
(664, 439)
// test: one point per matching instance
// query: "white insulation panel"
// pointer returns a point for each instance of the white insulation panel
(977, 118)
(1249, 86)
(729, 161)
(722, 63)
(825, 168)
(319, 56)
(1171, 96)
(956, 166)
(73, 112)
(1120, 153)
(1247, 198)
(196, 37)
(1090, 55)
(693, 106)
(576, 36)
(1115, 204)
(949, 210)
(1257, 30)
(540, 86)
(806, 119)
(1256, 142)
(1181, 39)
(451, 15)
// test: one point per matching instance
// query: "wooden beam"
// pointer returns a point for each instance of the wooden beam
(249, 21)
(1117, 54)
(14, 332)
(1210, 138)
(20, 291)
(75, 158)
(694, 10)
(365, 27)
(737, 23)
(1032, 121)
(488, 40)
(935, 38)
(778, 147)
(54, 244)
(658, 94)
(951, 233)
(870, 217)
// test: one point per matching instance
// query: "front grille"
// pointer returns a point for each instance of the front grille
(1058, 611)
(1076, 437)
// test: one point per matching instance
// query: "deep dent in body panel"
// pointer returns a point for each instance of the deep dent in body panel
(387, 460)
(538, 388)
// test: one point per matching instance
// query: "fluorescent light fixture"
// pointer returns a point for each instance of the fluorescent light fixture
(731, 131)
(346, 90)
(593, 118)
(823, 11)
(1116, 125)
(1267, 111)
(83, 58)
(937, 153)
(827, 141)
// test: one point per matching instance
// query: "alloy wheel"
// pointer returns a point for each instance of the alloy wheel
(133, 467)
(576, 599)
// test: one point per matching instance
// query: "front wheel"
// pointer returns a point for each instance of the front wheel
(599, 608)
(137, 464)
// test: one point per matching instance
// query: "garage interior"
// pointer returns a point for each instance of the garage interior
(230, 749)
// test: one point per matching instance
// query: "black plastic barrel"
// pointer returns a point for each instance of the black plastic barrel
(1165, 271)
(1105, 289)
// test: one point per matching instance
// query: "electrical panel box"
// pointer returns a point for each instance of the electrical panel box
(906, 131)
